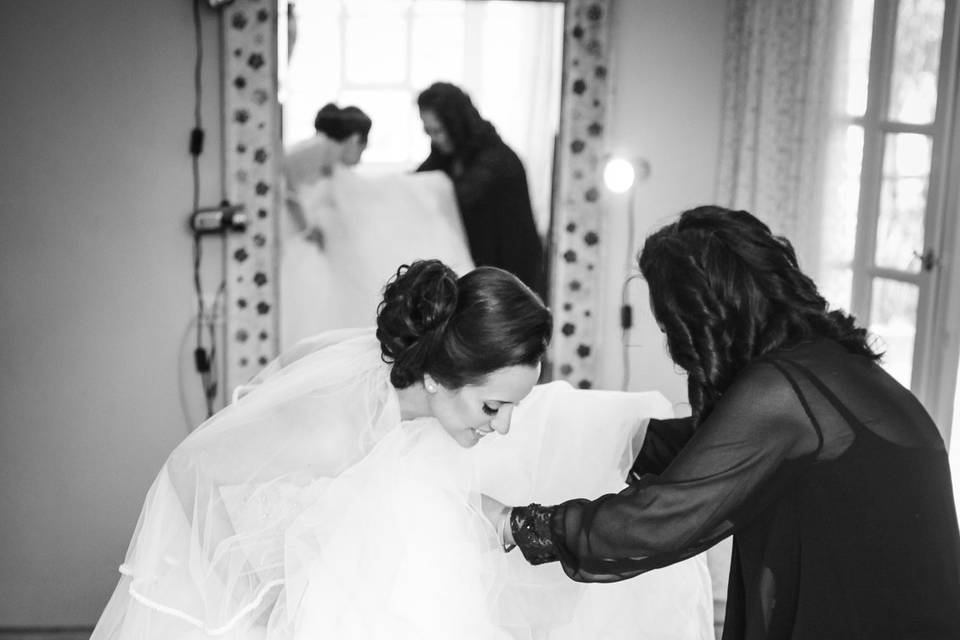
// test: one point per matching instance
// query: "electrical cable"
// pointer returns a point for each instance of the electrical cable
(189, 420)
(626, 323)
(214, 321)
(195, 150)
(204, 359)
(626, 309)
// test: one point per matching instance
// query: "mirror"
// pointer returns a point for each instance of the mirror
(346, 227)
(254, 31)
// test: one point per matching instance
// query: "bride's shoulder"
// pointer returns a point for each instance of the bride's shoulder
(356, 339)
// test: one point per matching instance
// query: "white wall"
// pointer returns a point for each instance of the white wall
(95, 283)
(95, 262)
(667, 76)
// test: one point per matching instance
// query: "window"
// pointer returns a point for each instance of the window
(885, 205)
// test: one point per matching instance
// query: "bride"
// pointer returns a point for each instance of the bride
(332, 500)
(339, 497)
(344, 229)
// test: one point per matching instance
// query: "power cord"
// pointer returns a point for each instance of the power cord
(212, 322)
(626, 324)
(626, 309)
(205, 221)
(203, 357)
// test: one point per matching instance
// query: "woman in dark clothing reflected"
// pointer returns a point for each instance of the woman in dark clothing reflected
(489, 181)
(831, 477)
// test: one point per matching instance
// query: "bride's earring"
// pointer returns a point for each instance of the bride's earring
(429, 384)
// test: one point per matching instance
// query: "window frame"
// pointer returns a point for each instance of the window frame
(935, 352)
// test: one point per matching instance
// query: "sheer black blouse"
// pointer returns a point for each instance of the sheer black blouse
(832, 479)
(494, 201)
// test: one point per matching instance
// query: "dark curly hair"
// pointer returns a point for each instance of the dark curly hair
(725, 290)
(458, 330)
(467, 130)
(339, 124)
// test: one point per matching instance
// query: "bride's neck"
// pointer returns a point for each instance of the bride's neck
(413, 402)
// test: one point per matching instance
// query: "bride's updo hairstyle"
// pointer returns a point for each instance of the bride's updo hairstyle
(339, 124)
(458, 330)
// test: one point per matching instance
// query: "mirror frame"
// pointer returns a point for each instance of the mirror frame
(252, 177)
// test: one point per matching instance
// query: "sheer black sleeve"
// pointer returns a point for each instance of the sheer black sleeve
(662, 442)
(755, 440)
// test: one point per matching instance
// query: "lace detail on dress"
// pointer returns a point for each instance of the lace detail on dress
(531, 531)
(264, 513)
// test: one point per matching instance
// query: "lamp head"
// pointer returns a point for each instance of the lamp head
(619, 174)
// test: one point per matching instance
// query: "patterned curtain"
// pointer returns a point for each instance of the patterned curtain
(777, 103)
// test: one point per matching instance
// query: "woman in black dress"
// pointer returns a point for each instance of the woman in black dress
(831, 477)
(489, 182)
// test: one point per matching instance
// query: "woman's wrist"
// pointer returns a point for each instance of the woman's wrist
(530, 529)
(504, 532)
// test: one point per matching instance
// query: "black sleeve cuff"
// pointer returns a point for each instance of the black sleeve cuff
(530, 526)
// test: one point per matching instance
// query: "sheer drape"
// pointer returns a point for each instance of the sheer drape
(371, 225)
(524, 102)
(778, 91)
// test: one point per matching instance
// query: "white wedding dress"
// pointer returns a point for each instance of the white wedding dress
(308, 509)
(371, 225)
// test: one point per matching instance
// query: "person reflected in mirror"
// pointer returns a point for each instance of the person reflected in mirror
(831, 477)
(345, 228)
(311, 168)
(341, 139)
(489, 181)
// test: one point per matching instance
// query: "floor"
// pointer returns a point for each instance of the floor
(55, 633)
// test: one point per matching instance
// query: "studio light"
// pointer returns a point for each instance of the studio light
(621, 175)
(618, 174)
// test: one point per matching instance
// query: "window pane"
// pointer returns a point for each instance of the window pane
(893, 320)
(839, 227)
(836, 285)
(437, 49)
(903, 200)
(312, 76)
(855, 61)
(916, 61)
(438, 8)
(376, 49)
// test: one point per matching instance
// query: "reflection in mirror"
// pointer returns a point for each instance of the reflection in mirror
(345, 229)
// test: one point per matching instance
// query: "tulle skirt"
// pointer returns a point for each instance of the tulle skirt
(371, 226)
(383, 538)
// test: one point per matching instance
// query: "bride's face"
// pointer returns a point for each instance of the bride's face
(353, 148)
(473, 411)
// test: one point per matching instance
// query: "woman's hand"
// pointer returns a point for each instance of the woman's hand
(499, 516)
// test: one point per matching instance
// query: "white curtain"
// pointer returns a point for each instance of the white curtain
(779, 92)
(517, 87)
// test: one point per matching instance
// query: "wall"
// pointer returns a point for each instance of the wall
(667, 66)
(96, 289)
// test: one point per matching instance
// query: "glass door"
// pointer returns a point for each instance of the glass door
(883, 246)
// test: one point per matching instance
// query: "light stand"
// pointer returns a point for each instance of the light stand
(621, 175)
